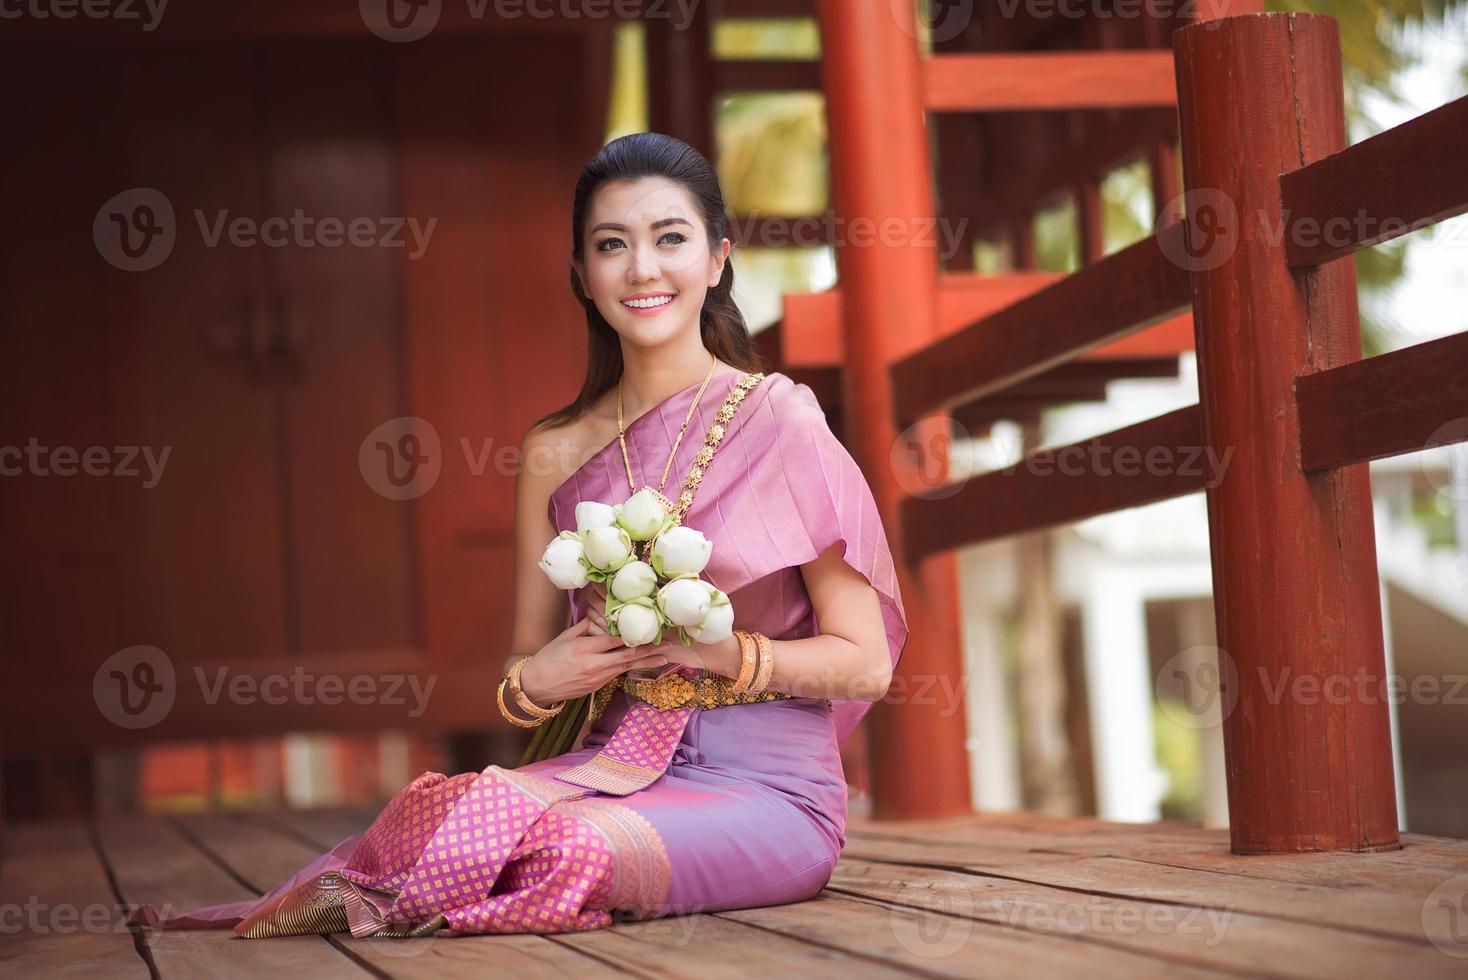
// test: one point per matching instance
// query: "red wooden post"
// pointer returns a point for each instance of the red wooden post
(1308, 746)
(680, 80)
(889, 282)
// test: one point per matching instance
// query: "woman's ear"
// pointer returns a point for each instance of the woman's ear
(580, 274)
(717, 259)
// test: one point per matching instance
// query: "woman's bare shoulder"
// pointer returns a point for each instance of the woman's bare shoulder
(553, 453)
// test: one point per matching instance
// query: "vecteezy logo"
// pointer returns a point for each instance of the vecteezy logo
(1208, 234)
(135, 230)
(937, 931)
(1454, 436)
(1198, 687)
(400, 21)
(134, 688)
(401, 458)
(927, 453)
(1445, 917)
(956, 16)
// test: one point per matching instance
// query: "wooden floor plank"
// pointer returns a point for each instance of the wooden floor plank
(59, 911)
(1005, 895)
(1184, 934)
(323, 828)
(719, 946)
(660, 948)
(151, 862)
(1361, 910)
(945, 945)
(1418, 850)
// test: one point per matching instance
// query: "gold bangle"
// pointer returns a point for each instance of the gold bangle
(766, 664)
(499, 696)
(522, 699)
(748, 660)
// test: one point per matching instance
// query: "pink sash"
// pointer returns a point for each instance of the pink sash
(638, 752)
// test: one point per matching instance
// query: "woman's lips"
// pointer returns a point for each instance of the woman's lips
(648, 311)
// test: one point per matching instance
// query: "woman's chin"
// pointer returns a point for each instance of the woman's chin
(647, 332)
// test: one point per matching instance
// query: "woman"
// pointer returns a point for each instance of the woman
(667, 804)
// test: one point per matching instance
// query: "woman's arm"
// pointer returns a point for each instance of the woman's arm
(541, 610)
(849, 660)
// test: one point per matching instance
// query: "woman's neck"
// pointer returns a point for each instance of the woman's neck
(647, 382)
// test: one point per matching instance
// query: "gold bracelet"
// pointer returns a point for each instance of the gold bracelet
(766, 664)
(523, 700)
(748, 660)
(499, 696)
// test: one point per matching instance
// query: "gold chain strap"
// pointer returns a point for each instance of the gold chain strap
(701, 460)
(622, 428)
(705, 454)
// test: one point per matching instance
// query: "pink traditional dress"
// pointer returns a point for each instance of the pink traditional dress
(656, 812)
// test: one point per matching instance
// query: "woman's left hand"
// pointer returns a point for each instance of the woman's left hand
(717, 658)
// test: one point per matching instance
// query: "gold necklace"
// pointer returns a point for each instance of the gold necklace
(622, 433)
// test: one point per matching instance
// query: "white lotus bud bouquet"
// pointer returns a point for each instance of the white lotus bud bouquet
(645, 599)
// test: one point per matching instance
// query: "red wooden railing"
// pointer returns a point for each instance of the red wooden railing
(1283, 388)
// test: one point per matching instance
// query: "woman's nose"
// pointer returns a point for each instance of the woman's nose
(644, 266)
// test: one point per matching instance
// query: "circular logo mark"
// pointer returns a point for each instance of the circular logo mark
(953, 21)
(661, 203)
(135, 687)
(401, 458)
(926, 453)
(135, 230)
(938, 931)
(1445, 917)
(400, 21)
(1454, 437)
(1208, 234)
(1198, 687)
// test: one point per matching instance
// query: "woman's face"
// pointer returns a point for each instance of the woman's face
(646, 259)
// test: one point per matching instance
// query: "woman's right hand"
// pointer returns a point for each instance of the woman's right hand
(579, 661)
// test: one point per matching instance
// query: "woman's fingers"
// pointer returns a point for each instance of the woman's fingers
(646, 650)
(608, 642)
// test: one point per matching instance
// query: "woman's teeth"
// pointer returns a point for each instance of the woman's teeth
(647, 304)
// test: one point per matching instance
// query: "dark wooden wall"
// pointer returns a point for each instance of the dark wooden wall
(263, 369)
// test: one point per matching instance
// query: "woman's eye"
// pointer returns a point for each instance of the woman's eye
(605, 245)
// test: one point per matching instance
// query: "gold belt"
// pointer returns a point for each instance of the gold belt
(675, 691)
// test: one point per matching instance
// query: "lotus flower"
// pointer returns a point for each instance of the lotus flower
(636, 621)
(592, 514)
(563, 561)
(684, 601)
(644, 598)
(642, 515)
(718, 625)
(634, 580)
(681, 551)
(607, 549)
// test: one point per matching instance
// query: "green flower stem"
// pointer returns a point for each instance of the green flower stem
(555, 736)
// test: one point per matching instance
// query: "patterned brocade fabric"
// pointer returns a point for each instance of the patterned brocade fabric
(491, 852)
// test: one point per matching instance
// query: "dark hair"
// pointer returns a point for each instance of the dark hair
(721, 325)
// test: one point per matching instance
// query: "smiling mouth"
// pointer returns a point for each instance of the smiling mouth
(649, 303)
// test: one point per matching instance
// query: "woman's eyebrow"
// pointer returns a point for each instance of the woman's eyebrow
(609, 226)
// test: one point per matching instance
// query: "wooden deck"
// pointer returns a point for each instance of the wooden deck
(982, 896)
